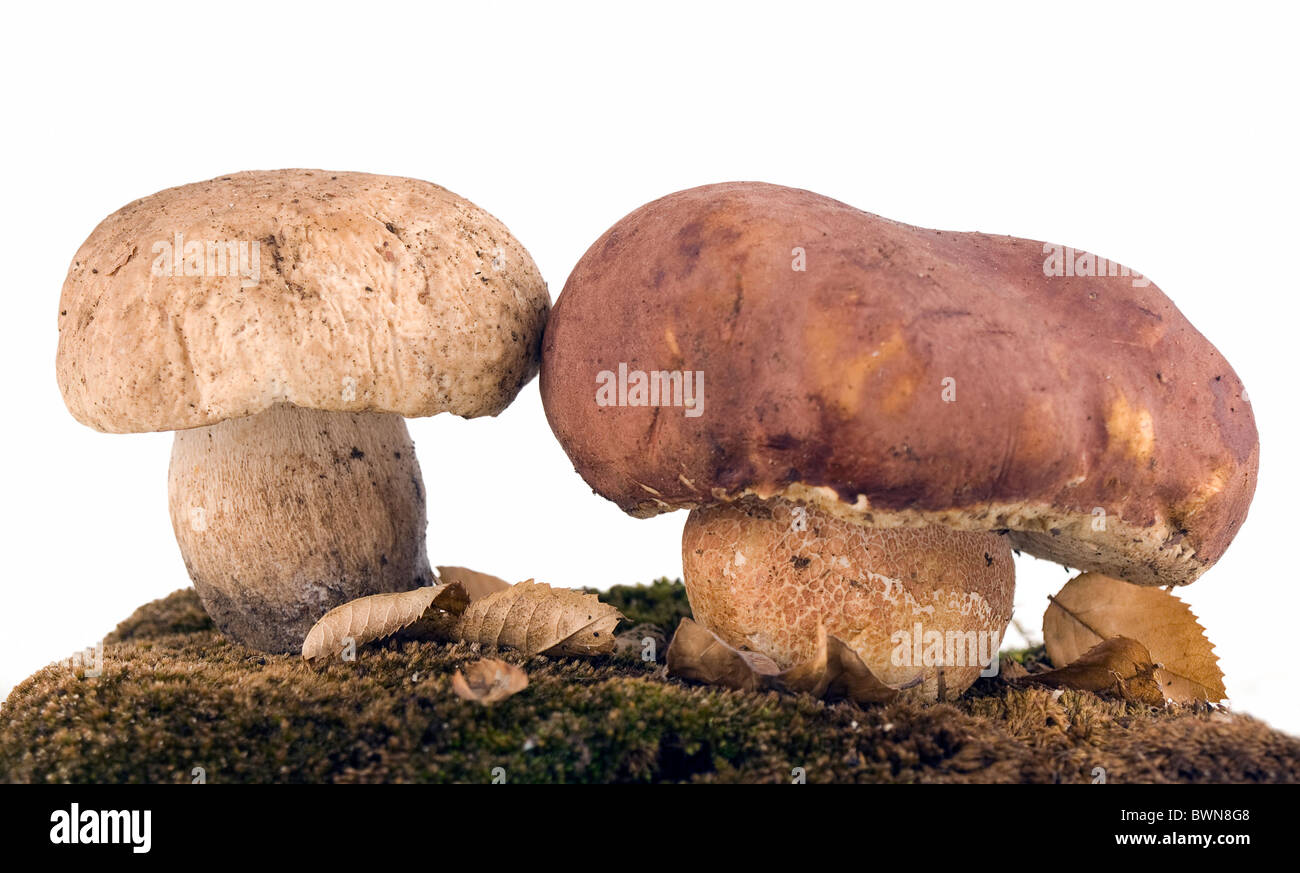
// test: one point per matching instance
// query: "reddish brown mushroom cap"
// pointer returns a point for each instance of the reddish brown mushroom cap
(904, 376)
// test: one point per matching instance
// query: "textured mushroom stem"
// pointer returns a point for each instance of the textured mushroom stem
(928, 604)
(283, 515)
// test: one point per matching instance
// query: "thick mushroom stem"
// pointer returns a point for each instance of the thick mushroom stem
(928, 604)
(283, 515)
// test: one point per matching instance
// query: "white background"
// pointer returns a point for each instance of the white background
(1164, 139)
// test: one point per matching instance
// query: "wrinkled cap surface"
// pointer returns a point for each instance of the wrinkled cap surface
(333, 291)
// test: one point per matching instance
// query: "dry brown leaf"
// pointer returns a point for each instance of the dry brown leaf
(811, 676)
(1092, 608)
(535, 618)
(379, 615)
(477, 585)
(489, 681)
(1119, 667)
(834, 670)
(852, 679)
(531, 617)
(696, 653)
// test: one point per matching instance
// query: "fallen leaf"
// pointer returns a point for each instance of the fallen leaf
(851, 678)
(477, 585)
(531, 617)
(696, 653)
(812, 676)
(1119, 667)
(489, 681)
(834, 670)
(1092, 608)
(535, 618)
(379, 615)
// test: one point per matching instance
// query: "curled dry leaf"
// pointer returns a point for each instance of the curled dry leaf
(489, 681)
(535, 618)
(531, 617)
(697, 654)
(477, 585)
(852, 679)
(834, 670)
(379, 615)
(1119, 667)
(1092, 608)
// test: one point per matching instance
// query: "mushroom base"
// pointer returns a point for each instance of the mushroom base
(283, 515)
(923, 607)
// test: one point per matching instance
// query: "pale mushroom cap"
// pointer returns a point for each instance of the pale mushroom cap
(343, 292)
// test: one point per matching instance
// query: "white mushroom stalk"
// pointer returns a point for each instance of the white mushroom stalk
(284, 514)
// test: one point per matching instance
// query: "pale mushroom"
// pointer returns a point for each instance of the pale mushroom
(284, 323)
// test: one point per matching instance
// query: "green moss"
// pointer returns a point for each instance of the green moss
(1034, 656)
(175, 695)
(661, 603)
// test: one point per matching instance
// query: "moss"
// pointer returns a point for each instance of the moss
(1021, 656)
(178, 613)
(175, 695)
(661, 603)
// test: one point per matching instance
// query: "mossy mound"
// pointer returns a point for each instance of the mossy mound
(174, 695)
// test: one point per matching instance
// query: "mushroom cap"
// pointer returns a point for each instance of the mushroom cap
(342, 292)
(905, 377)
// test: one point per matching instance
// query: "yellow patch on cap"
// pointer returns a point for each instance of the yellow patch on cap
(1130, 428)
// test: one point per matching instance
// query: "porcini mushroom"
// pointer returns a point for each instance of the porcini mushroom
(284, 323)
(881, 413)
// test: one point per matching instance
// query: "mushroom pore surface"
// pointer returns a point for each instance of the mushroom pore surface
(283, 515)
(924, 606)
